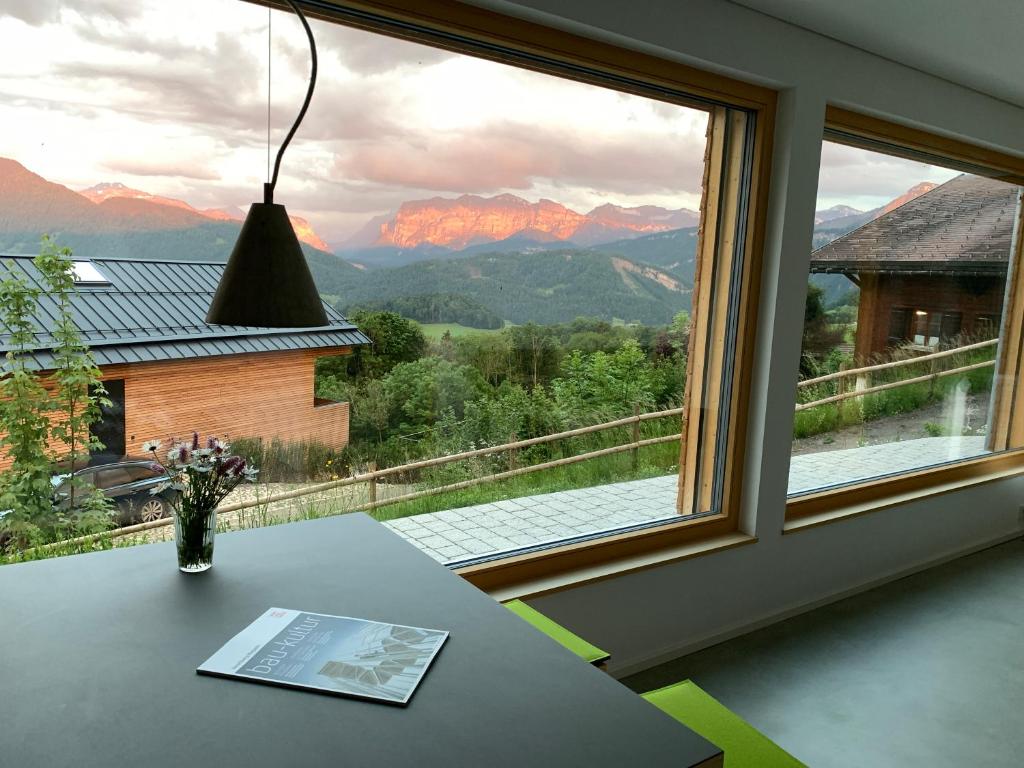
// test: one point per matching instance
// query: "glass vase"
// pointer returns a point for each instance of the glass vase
(193, 534)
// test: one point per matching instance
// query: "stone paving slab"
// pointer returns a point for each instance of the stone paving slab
(460, 534)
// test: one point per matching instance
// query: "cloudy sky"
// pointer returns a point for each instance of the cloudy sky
(866, 180)
(171, 98)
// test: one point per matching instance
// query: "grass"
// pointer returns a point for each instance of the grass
(653, 461)
(892, 402)
(434, 331)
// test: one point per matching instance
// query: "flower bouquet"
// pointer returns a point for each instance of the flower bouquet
(201, 476)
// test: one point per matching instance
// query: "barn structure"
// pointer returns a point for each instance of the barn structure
(932, 269)
(168, 373)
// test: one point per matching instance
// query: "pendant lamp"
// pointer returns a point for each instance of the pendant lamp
(267, 282)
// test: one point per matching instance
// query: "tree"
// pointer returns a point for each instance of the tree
(77, 386)
(535, 353)
(34, 418)
(420, 391)
(395, 340)
(489, 353)
(24, 425)
(598, 386)
(820, 337)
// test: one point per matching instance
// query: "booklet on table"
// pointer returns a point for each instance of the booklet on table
(329, 654)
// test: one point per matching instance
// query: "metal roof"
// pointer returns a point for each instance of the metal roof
(155, 310)
(964, 227)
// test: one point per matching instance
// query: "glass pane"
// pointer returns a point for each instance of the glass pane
(907, 285)
(520, 248)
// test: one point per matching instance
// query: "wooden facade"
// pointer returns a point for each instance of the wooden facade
(264, 395)
(930, 271)
(924, 310)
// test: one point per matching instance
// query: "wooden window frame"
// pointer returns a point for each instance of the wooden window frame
(1006, 437)
(487, 34)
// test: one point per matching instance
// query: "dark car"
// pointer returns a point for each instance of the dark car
(127, 483)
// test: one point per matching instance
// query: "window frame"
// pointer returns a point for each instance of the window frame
(484, 33)
(844, 126)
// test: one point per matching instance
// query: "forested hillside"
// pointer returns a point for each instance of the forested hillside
(543, 287)
(438, 308)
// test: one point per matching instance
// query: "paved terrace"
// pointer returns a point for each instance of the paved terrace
(484, 529)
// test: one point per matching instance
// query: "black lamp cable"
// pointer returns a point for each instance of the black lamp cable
(268, 188)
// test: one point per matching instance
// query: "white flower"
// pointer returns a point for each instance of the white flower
(151, 445)
(250, 474)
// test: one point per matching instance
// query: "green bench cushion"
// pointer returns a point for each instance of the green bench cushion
(558, 633)
(744, 746)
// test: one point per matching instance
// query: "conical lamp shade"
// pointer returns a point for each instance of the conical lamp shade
(267, 283)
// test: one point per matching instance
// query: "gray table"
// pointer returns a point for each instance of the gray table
(98, 655)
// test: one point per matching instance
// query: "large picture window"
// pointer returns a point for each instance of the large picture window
(910, 319)
(538, 254)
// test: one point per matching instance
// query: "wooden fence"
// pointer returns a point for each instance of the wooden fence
(866, 371)
(372, 477)
(512, 448)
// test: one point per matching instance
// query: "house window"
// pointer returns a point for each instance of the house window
(88, 274)
(906, 373)
(540, 253)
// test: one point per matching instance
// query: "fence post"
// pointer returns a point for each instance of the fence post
(635, 452)
(372, 482)
(512, 460)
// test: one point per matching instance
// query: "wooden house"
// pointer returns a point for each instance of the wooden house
(932, 269)
(168, 373)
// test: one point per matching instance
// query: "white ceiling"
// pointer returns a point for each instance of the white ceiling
(976, 43)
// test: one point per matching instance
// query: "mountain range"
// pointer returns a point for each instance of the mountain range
(470, 220)
(31, 204)
(508, 258)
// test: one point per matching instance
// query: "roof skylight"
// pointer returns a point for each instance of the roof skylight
(86, 273)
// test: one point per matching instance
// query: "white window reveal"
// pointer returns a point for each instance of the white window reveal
(86, 273)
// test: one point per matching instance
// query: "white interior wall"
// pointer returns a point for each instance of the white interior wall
(650, 616)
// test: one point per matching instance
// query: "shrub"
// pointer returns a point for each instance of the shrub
(296, 461)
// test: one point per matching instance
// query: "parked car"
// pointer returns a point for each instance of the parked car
(127, 483)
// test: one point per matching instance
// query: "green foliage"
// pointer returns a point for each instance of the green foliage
(77, 387)
(490, 354)
(891, 402)
(535, 353)
(420, 391)
(652, 462)
(820, 336)
(599, 386)
(31, 416)
(25, 488)
(395, 340)
(543, 287)
(482, 388)
(291, 461)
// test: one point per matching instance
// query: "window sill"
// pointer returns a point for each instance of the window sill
(562, 568)
(813, 510)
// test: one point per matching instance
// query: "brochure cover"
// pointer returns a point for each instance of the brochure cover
(329, 654)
